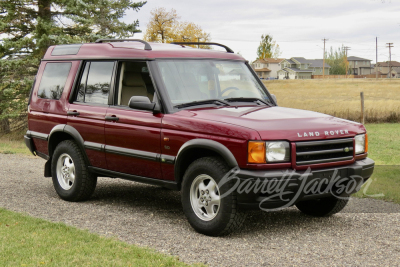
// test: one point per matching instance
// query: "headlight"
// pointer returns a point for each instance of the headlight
(277, 151)
(361, 143)
(268, 152)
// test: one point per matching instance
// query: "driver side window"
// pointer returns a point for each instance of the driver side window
(134, 80)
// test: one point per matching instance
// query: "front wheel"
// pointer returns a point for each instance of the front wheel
(203, 206)
(323, 207)
(71, 177)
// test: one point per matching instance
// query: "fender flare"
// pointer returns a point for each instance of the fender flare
(212, 145)
(70, 131)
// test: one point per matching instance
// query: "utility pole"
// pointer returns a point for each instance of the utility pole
(346, 48)
(390, 45)
(323, 61)
(376, 64)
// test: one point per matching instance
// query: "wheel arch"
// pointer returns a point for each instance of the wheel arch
(198, 148)
(61, 133)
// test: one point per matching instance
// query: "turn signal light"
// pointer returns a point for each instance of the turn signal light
(256, 152)
(366, 143)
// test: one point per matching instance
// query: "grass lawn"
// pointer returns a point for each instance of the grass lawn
(27, 241)
(384, 148)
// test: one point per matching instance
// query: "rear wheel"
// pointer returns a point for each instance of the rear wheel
(322, 207)
(71, 177)
(203, 206)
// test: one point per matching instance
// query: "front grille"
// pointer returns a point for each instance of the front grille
(314, 152)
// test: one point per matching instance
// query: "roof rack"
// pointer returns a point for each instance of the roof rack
(146, 44)
(204, 43)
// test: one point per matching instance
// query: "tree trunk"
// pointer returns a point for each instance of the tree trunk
(44, 13)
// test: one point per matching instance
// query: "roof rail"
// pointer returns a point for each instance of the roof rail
(146, 44)
(204, 43)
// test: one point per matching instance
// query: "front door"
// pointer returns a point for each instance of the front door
(133, 136)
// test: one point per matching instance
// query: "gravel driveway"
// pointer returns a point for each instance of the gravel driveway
(366, 233)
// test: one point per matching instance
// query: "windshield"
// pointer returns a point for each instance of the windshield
(196, 80)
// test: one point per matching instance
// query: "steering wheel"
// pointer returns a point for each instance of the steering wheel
(229, 88)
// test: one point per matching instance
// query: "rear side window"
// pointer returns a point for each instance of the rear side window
(95, 83)
(53, 80)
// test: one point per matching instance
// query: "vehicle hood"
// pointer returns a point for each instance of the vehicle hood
(279, 123)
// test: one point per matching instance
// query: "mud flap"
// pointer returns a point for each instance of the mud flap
(47, 168)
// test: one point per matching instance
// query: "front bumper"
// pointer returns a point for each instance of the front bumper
(283, 188)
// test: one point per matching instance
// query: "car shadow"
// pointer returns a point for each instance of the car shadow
(165, 204)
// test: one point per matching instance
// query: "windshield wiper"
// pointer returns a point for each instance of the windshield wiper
(202, 102)
(248, 99)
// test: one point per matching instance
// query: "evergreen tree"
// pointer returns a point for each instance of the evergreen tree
(28, 28)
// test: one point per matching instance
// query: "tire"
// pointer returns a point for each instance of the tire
(323, 207)
(71, 177)
(222, 216)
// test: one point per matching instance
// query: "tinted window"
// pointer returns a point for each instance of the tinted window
(53, 80)
(98, 82)
(81, 90)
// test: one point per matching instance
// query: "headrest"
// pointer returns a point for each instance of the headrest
(133, 79)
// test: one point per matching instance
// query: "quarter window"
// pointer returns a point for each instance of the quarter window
(53, 80)
(95, 82)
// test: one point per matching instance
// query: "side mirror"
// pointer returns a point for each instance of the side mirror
(143, 103)
(274, 98)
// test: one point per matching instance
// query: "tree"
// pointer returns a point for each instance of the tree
(268, 48)
(161, 25)
(29, 27)
(337, 60)
(165, 27)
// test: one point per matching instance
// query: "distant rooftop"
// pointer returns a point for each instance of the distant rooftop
(357, 59)
(386, 64)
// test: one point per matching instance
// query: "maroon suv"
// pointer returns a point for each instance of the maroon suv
(194, 120)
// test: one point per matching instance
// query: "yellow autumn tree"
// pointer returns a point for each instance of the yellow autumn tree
(190, 32)
(161, 26)
(164, 27)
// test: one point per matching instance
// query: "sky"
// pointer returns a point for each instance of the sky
(297, 26)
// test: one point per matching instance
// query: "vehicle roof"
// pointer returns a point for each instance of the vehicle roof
(132, 50)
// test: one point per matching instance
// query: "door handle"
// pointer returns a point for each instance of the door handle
(73, 113)
(112, 118)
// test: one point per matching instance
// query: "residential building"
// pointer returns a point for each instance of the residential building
(383, 68)
(359, 66)
(301, 68)
(267, 67)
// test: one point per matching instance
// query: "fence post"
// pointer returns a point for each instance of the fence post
(362, 107)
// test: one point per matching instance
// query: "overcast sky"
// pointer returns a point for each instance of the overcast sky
(297, 26)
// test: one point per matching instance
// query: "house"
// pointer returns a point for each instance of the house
(267, 67)
(359, 66)
(301, 68)
(383, 68)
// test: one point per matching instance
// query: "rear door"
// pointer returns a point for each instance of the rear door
(133, 136)
(88, 110)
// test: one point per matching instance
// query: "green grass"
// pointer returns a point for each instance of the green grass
(384, 149)
(13, 144)
(27, 241)
(384, 184)
(384, 143)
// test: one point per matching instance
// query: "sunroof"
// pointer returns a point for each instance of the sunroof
(61, 50)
